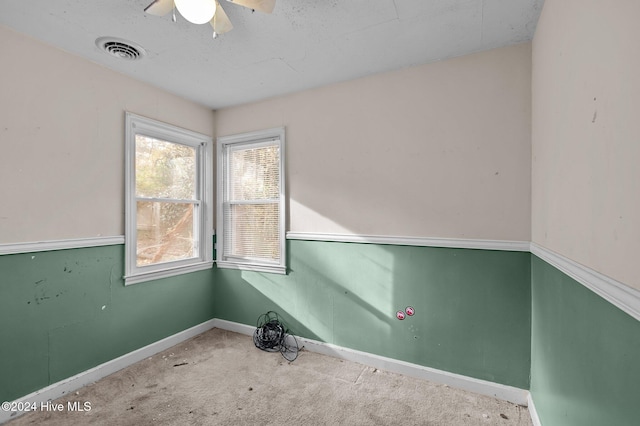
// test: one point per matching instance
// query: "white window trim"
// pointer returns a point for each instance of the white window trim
(256, 137)
(135, 124)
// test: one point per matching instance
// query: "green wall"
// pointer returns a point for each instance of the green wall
(66, 311)
(494, 315)
(472, 306)
(585, 362)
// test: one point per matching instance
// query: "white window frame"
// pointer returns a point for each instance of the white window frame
(256, 138)
(134, 125)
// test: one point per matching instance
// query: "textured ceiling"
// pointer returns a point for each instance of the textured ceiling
(302, 44)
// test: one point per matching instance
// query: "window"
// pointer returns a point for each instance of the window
(251, 201)
(169, 212)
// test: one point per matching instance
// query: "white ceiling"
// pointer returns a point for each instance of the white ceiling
(302, 44)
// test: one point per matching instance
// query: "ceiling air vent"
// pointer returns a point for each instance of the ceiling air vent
(120, 48)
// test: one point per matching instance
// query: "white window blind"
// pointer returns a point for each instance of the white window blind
(251, 201)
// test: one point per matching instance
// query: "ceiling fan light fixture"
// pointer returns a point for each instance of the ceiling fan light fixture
(197, 11)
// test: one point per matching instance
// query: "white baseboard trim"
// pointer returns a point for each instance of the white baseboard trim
(483, 387)
(503, 245)
(36, 246)
(615, 292)
(532, 411)
(73, 383)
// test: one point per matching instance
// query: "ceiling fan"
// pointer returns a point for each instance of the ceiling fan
(203, 11)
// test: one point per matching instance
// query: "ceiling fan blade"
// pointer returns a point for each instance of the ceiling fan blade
(265, 6)
(220, 22)
(159, 7)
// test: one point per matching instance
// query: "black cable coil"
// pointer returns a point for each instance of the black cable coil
(272, 336)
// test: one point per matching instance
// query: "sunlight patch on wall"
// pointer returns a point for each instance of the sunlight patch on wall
(307, 219)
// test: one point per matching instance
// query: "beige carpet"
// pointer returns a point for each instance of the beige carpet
(221, 378)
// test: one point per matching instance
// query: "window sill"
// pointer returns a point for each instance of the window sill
(165, 273)
(275, 269)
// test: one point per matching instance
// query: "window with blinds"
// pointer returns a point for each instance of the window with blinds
(251, 201)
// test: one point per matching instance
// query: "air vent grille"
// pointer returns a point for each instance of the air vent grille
(122, 49)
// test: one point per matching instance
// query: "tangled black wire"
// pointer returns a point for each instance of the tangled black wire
(272, 336)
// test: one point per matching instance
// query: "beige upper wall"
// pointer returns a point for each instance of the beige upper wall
(586, 134)
(62, 140)
(439, 150)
